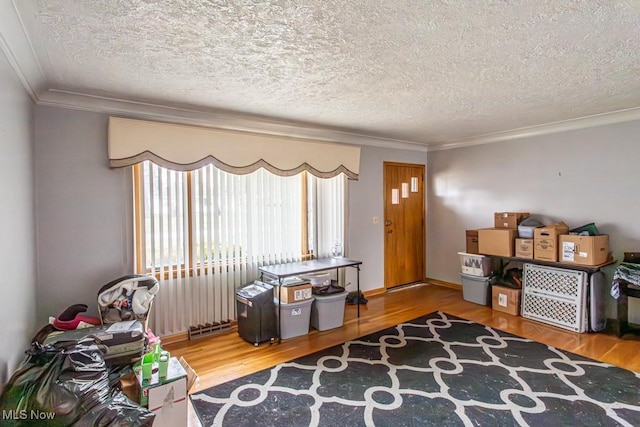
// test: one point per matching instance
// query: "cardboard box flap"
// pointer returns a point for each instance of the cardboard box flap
(192, 377)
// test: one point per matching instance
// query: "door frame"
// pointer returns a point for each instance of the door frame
(422, 214)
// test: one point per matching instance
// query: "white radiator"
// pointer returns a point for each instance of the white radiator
(555, 296)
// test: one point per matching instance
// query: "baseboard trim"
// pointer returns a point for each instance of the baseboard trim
(174, 338)
(444, 284)
(184, 336)
(374, 292)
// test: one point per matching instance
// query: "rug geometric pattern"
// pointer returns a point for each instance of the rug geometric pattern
(436, 370)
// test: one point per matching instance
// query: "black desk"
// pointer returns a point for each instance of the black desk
(281, 271)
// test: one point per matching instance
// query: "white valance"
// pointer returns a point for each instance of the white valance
(183, 147)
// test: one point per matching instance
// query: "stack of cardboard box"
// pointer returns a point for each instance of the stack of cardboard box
(500, 240)
(551, 243)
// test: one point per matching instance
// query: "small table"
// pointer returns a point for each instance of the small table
(282, 271)
(627, 280)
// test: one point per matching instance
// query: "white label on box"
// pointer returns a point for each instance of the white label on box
(302, 294)
(583, 254)
(296, 311)
(568, 251)
(502, 300)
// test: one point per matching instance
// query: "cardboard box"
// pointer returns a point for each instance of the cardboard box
(546, 241)
(497, 241)
(166, 397)
(472, 241)
(508, 219)
(524, 248)
(505, 299)
(584, 250)
(294, 293)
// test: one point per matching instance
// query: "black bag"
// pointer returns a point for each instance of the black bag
(67, 384)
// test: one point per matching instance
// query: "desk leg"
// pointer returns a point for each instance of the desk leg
(279, 310)
(358, 285)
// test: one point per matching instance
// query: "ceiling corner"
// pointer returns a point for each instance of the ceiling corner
(17, 47)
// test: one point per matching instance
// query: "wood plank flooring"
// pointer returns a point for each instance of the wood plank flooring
(225, 357)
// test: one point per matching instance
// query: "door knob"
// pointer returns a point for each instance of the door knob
(387, 223)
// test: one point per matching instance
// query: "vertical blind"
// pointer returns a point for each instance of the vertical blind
(205, 233)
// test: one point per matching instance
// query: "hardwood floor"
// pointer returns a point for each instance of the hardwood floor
(225, 357)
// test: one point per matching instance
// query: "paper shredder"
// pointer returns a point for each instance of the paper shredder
(256, 312)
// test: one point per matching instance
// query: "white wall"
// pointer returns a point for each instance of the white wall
(366, 240)
(578, 177)
(84, 215)
(84, 220)
(17, 245)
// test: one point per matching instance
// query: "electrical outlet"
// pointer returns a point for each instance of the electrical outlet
(376, 220)
(502, 300)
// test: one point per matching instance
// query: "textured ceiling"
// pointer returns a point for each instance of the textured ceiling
(422, 71)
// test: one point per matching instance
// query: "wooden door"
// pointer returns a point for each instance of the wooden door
(404, 228)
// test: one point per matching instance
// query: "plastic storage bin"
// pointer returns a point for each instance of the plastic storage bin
(476, 265)
(295, 318)
(318, 279)
(327, 311)
(476, 289)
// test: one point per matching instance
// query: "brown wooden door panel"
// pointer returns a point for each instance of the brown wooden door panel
(404, 253)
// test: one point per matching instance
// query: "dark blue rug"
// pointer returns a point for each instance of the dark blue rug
(437, 370)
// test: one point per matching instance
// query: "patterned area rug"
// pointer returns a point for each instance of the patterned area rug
(436, 370)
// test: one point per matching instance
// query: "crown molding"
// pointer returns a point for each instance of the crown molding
(603, 119)
(222, 120)
(17, 47)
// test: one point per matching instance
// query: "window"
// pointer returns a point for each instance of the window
(205, 232)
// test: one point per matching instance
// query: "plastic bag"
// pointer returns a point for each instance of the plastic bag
(66, 384)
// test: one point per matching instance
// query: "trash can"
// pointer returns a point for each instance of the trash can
(327, 311)
(295, 318)
(256, 314)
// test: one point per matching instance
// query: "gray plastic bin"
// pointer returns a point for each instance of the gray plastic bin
(295, 318)
(476, 289)
(327, 311)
